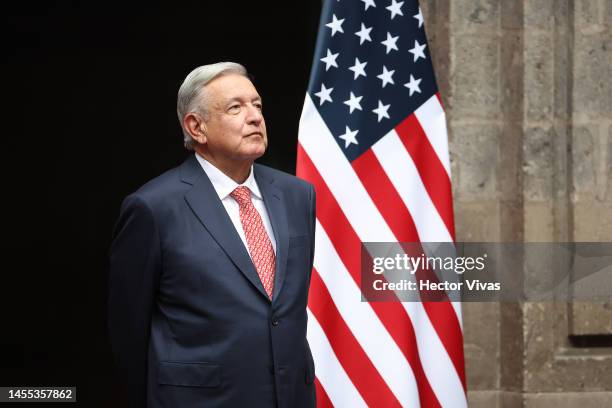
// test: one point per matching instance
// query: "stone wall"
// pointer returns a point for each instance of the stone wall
(527, 85)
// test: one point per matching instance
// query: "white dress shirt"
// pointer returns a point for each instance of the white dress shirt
(224, 185)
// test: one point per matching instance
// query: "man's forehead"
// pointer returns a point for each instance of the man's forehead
(232, 86)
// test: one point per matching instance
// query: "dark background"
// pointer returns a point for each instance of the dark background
(89, 96)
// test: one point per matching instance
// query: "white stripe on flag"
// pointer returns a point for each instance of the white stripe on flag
(373, 337)
(403, 174)
(330, 373)
(433, 121)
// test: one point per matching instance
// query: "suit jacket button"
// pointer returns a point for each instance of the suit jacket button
(275, 322)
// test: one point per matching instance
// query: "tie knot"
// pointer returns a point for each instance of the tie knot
(242, 195)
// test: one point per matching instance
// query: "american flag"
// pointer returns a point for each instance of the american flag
(373, 141)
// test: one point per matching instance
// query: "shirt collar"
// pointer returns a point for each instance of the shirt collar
(223, 184)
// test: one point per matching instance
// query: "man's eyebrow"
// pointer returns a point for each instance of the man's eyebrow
(239, 99)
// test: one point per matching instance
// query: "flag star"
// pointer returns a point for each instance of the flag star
(413, 85)
(324, 94)
(349, 137)
(358, 68)
(386, 77)
(368, 3)
(390, 42)
(335, 25)
(417, 51)
(363, 34)
(354, 102)
(382, 111)
(395, 8)
(419, 17)
(330, 60)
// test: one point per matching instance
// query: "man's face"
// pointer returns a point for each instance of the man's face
(235, 127)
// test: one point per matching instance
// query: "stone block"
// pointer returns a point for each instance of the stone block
(608, 147)
(475, 76)
(538, 221)
(440, 48)
(589, 14)
(592, 88)
(494, 399)
(584, 158)
(508, 178)
(511, 15)
(511, 346)
(477, 221)
(475, 156)
(428, 8)
(568, 400)
(562, 177)
(593, 221)
(539, 346)
(587, 371)
(511, 76)
(591, 318)
(475, 15)
(539, 14)
(551, 365)
(562, 76)
(539, 77)
(538, 165)
(511, 221)
(481, 339)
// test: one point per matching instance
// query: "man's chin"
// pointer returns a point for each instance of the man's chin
(256, 150)
(255, 154)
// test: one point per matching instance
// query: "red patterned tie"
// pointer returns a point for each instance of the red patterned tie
(257, 238)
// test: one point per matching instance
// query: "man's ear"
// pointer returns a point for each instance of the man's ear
(195, 125)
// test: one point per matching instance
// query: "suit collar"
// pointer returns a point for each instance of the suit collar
(223, 184)
(206, 205)
(191, 171)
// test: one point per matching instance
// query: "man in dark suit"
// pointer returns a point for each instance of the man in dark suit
(210, 264)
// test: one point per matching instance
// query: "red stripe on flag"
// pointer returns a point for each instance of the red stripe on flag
(323, 400)
(440, 100)
(352, 357)
(346, 242)
(382, 192)
(432, 172)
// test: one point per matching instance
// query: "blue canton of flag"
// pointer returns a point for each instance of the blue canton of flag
(371, 70)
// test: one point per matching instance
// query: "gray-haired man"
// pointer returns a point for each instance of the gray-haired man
(210, 264)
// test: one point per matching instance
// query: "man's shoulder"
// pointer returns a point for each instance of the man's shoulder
(162, 188)
(282, 179)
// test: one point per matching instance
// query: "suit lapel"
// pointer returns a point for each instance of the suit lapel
(204, 202)
(275, 206)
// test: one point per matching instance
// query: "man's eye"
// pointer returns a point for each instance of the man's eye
(234, 108)
(258, 106)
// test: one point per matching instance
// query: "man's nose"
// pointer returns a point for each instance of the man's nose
(254, 115)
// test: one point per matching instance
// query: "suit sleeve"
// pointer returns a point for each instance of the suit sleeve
(135, 263)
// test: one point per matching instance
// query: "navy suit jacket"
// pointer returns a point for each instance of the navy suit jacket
(189, 320)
